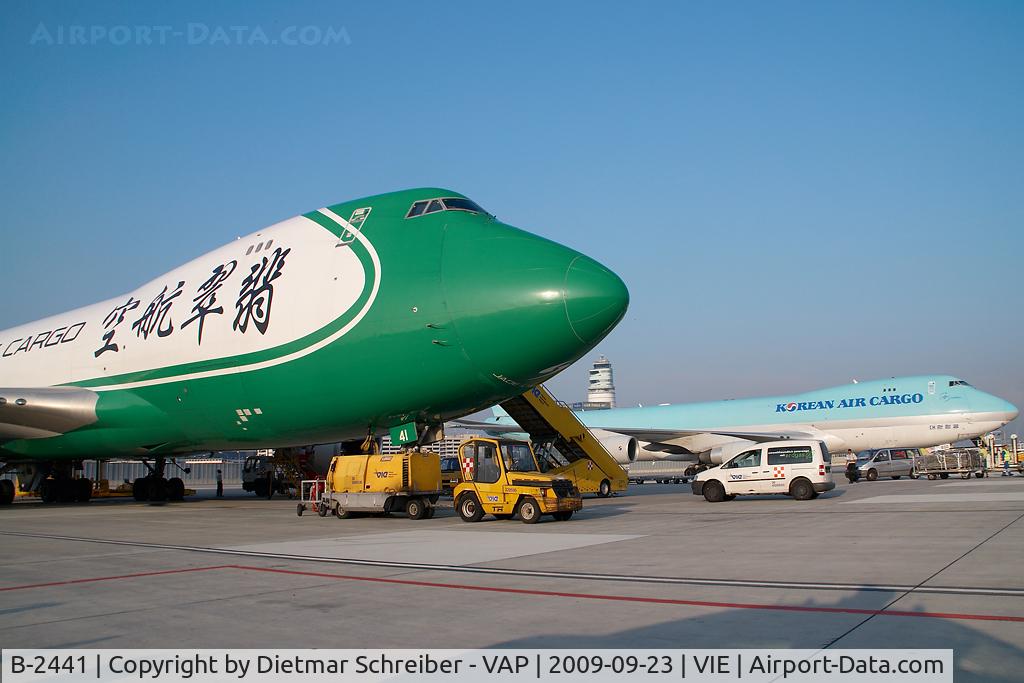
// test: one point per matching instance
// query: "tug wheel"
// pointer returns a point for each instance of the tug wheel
(469, 508)
(529, 511)
(415, 509)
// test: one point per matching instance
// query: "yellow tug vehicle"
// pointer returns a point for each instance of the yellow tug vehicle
(501, 478)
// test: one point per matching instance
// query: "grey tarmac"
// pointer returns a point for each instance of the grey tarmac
(909, 564)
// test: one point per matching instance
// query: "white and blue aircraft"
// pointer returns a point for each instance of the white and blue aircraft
(914, 412)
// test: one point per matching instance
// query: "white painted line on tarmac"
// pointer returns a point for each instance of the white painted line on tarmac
(988, 481)
(437, 547)
(979, 497)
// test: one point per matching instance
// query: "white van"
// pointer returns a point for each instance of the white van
(801, 469)
(886, 462)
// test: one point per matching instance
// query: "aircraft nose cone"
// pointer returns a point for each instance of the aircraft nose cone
(595, 299)
(524, 307)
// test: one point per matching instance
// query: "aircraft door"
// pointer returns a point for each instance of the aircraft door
(881, 463)
(743, 472)
(487, 470)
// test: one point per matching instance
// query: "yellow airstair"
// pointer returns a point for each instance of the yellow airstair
(565, 443)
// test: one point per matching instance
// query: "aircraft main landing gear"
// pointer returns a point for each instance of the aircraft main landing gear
(6, 491)
(156, 488)
(60, 489)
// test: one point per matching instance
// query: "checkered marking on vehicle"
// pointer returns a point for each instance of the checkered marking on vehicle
(778, 471)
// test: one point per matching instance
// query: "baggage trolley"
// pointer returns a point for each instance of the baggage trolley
(313, 496)
(941, 464)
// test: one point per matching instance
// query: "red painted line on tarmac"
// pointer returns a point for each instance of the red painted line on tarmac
(631, 598)
(539, 593)
(115, 578)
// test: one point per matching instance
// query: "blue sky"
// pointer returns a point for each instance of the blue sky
(797, 194)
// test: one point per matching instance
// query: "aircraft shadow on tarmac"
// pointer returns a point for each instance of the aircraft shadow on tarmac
(834, 493)
(977, 655)
(27, 608)
(75, 644)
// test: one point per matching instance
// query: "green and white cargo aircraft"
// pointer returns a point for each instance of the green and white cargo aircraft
(409, 307)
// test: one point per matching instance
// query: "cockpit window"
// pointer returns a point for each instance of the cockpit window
(462, 204)
(426, 206)
(958, 383)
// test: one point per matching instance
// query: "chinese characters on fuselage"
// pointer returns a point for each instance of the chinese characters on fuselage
(257, 293)
(110, 323)
(155, 318)
(253, 305)
(207, 296)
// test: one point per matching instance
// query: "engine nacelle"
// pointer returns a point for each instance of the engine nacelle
(649, 455)
(623, 448)
(725, 451)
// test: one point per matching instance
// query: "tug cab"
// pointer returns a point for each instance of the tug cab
(501, 477)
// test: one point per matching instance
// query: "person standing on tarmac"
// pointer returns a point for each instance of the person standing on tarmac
(851, 465)
(220, 484)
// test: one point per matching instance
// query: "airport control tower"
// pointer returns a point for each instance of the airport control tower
(601, 391)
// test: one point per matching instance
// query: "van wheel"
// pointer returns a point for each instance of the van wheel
(801, 490)
(469, 508)
(529, 510)
(897, 476)
(872, 475)
(605, 489)
(714, 492)
(415, 509)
